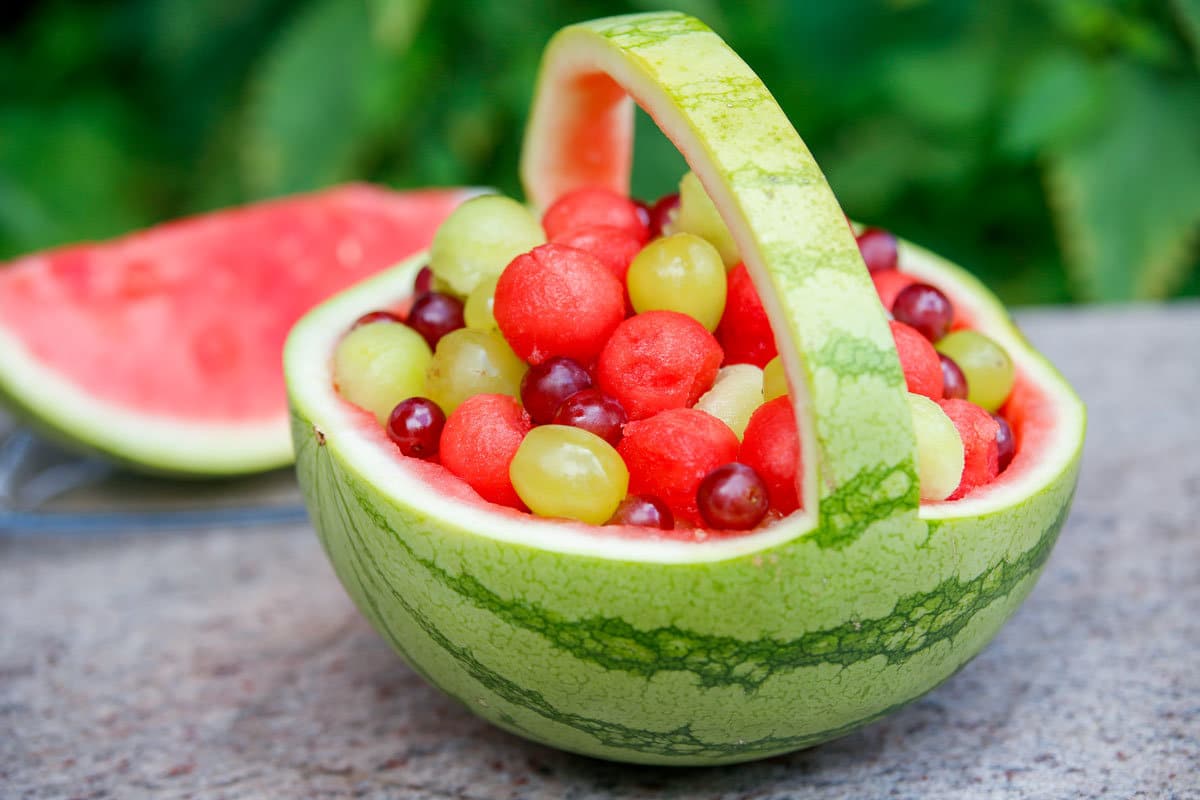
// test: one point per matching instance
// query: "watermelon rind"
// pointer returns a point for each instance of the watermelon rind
(696, 652)
(150, 443)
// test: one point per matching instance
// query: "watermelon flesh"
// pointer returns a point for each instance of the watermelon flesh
(185, 323)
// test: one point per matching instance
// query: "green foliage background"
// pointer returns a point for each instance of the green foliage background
(1051, 145)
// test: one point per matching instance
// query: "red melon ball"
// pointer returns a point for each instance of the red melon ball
(479, 441)
(615, 247)
(590, 206)
(922, 367)
(658, 360)
(558, 301)
(745, 332)
(669, 454)
(771, 446)
(891, 282)
(981, 449)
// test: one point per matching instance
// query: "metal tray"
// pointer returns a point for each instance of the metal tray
(46, 490)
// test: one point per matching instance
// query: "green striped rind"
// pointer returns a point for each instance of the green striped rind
(789, 229)
(550, 631)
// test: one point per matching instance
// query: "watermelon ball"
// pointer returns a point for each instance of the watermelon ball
(979, 432)
(889, 283)
(434, 315)
(771, 447)
(591, 206)
(415, 427)
(545, 386)
(878, 248)
(595, 411)
(479, 441)
(643, 511)
(920, 362)
(670, 453)
(656, 361)
(558, 301)
(375, 316)
(732, 497)
(615, 247)
(745, 332)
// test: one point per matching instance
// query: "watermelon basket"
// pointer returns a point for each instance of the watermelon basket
(626, 646)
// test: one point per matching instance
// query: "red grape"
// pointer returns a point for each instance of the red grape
(595, 411)
(732, 497)
(878, 248)
(1005, 441)
(925, 308)
(375, 316)
(649, 512)
(545, 386)
(436, 314)
(415, 425)
(954, 382)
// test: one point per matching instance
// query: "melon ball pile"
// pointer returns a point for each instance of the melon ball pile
(612, 363)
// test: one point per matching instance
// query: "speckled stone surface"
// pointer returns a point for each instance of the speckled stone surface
(222, 664)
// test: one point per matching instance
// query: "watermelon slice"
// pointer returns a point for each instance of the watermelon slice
(162, 348)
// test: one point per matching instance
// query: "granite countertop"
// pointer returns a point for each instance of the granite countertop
(229, 663)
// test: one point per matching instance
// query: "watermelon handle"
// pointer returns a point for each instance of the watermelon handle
(833, 338)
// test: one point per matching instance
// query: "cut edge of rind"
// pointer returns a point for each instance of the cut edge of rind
(149, 442)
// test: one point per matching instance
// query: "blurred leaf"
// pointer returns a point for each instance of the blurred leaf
(657, 165)
(948, 89)
(394, 23)
(65, 176)
(1059, 98)
(304, 122)
(1188, 12)
(880, 159)
(1128, 198)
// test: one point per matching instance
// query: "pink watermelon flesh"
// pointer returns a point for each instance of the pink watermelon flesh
(188, 319)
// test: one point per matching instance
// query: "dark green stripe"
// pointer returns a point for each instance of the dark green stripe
(916, 623)
(678, 743)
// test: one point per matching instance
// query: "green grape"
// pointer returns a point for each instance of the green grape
(563, 471)
(774, 380)
(698, 215)
(940, 455)
(478, 310)
(681, 272)
(376, 366)
(468, 362)
(736, 393)
(989, 370)
(479, 238)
